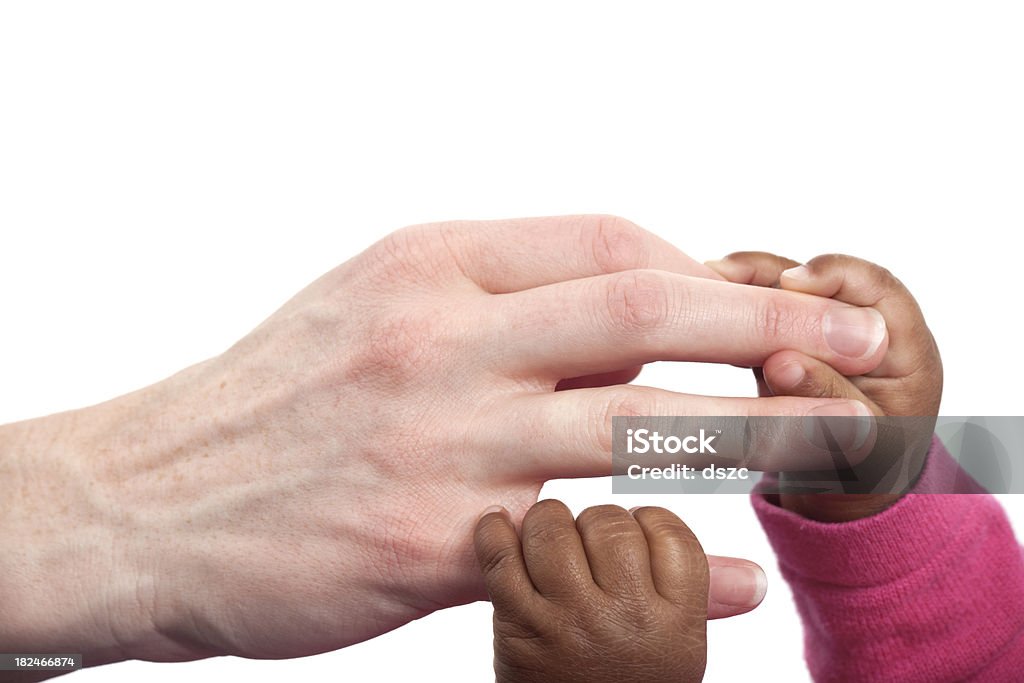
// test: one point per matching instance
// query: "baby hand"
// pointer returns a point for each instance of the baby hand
(611, 596)
(908, 382)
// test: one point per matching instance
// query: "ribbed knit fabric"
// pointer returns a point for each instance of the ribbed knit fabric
(931, 589)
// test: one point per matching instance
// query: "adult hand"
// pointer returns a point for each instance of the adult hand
(318, 483)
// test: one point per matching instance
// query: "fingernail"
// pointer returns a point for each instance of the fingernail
(789, 375)
(494, 508)
(739, 586)
(797, 273)
(734, 270)
(847, 424)
(854, 332)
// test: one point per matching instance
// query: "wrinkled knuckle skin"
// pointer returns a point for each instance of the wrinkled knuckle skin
(547, 537)
(775, 321)
(397, 349)
(684, 535)
(638, 301)
(497, 561)
(883, 276)
(662, 526)
(603, 521)
(615, 243)
(617, 402)
(629, 617)
(820, 386)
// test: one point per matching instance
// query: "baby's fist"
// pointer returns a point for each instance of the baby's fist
(612, 596)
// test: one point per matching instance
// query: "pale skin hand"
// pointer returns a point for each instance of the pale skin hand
(318, 483)
(908, 381)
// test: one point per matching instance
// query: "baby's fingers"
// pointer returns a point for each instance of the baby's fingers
(501, 559)
(679, 567)
(861, 283)
(758, 268)
(791, 373)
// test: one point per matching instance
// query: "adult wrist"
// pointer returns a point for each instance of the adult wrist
(81, 572)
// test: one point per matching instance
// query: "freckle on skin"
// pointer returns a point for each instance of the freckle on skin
(223, 384)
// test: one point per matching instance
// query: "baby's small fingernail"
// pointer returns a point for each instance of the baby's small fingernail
(789, 375)
(494, 508)
(730, 269)
(797, 273)
(738, 586)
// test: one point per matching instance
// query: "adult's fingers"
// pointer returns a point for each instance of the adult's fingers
(568, 434)
(554, 552)
(517, 254)
(603, 379)
(603, 323)
(759, 268)
(616, 550)
(501, 560)
(679, 568)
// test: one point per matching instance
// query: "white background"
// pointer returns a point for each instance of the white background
(171, 172)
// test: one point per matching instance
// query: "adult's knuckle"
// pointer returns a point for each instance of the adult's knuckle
(638, 301)
(398, 347)
(629, 402)
(615, 243)
(416, 252)
(617, 401)
(775, 321)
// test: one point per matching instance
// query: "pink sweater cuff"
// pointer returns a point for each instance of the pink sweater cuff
(878, 548)
(931, 589)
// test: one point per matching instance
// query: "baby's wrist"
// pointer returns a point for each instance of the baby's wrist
(828, 507)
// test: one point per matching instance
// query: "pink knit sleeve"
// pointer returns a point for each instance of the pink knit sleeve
(931, 589)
